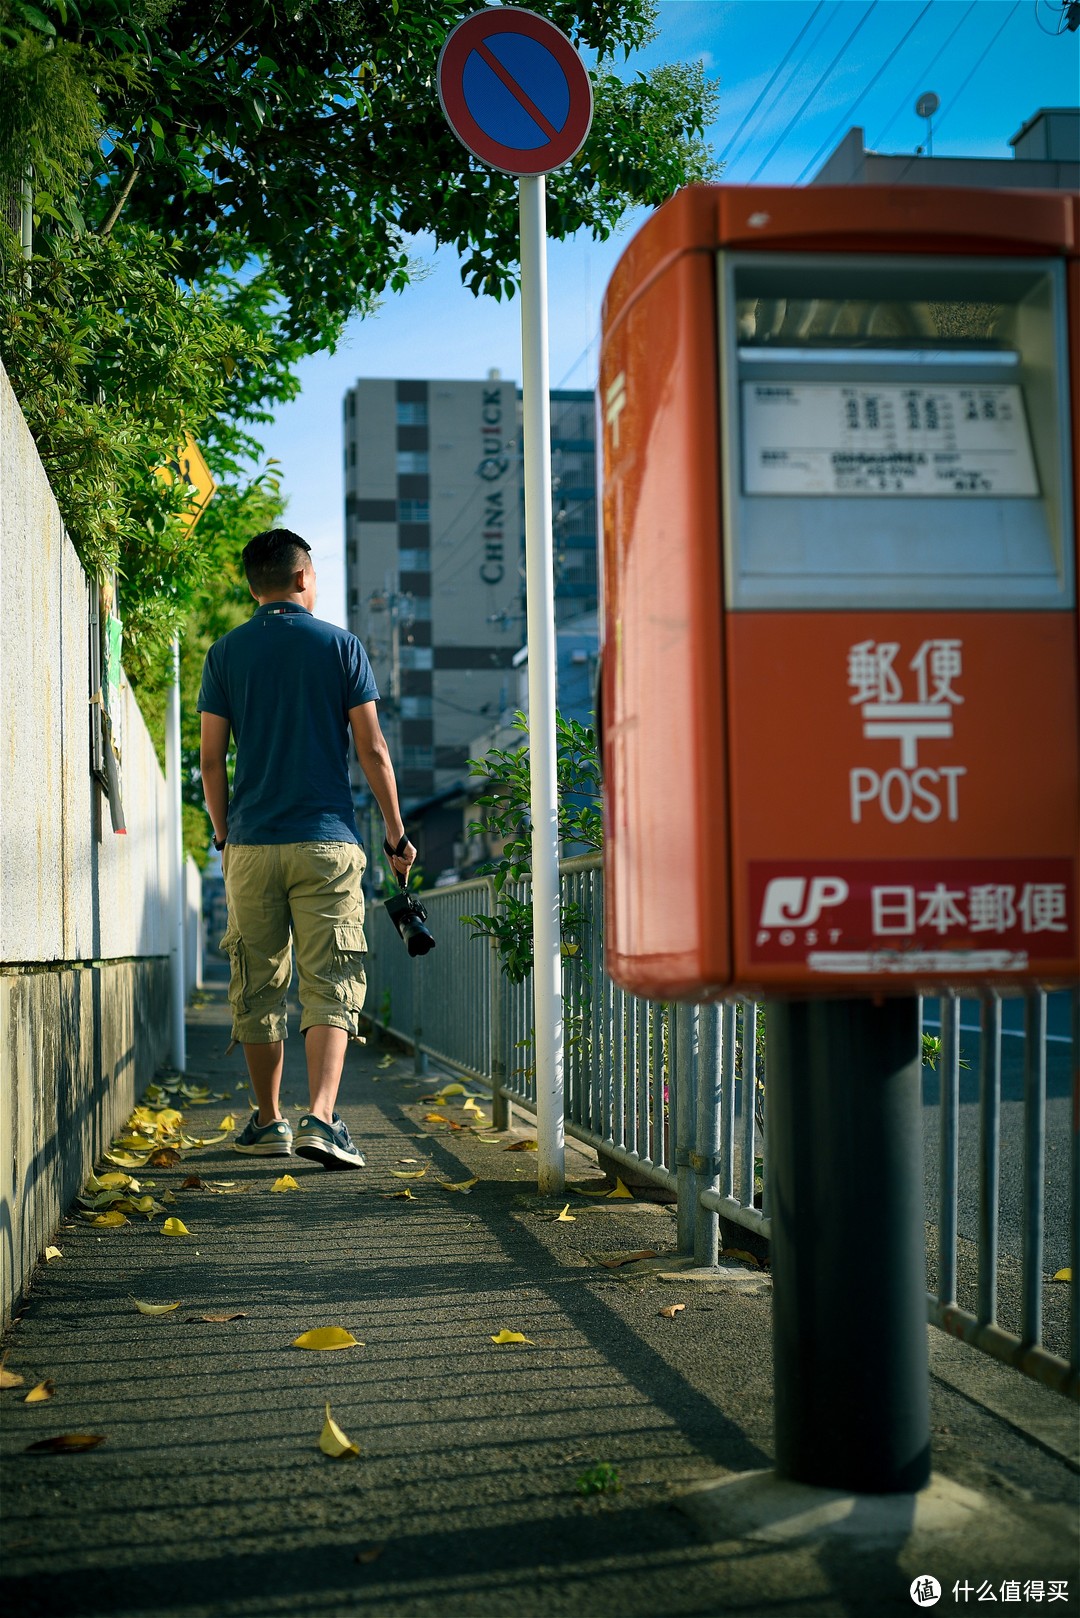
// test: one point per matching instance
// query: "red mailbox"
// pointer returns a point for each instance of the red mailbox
(840, 672)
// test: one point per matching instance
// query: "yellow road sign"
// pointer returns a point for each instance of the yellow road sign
(188, 466)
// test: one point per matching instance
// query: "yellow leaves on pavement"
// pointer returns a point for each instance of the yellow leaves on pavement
(128, 1160)
(386, 1061)
(41, 1393)
(113, 1181)
(400, 1196)
(742, 1256)
(566, 1217)
(228, 1122)
(408, 1174)
(166, 1157)
(449, 1090)
(464, 1186)
(505, 1336)
(1064, 1275)
(620, 1191)
(670, 1310)
(154, 1308)
(435, 1118)
(522, 1146)
(168, 1197)
(326, 1337)
(332, 1441)
(107, 1221)
(174, 1227)
(285, 1182)
(51, 1253)
(66, 1444)
(10, 1379)
(215, 1320)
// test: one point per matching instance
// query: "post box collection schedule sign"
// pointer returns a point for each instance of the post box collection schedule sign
(886, 438)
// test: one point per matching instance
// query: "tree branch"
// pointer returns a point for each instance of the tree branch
(118, 206)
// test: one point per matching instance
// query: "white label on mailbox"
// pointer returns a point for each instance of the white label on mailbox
(887, 438)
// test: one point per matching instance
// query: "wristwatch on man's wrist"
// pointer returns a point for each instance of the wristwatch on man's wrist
(221, 845)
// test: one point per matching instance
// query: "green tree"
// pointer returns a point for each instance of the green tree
(216, 191)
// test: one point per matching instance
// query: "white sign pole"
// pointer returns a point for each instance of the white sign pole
(175, 864)
(540, 588)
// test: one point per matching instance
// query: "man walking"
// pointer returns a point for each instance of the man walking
(290, 688)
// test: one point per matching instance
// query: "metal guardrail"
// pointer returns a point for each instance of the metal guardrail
(671, 1093)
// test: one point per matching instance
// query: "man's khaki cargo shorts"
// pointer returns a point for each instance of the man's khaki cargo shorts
(313, 891)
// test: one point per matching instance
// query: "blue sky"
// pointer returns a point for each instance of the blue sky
(991, 62)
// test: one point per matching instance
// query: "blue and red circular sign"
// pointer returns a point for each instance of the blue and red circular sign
(515, 91)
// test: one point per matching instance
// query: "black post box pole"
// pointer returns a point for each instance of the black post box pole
(844, 1142)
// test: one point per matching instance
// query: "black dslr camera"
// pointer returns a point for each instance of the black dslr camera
(408, 914)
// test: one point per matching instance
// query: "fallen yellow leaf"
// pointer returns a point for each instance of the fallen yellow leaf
(114, 1181)
(10, 1379)
(133, 1143)
(126, 1160)
(38, 1395)
(215, 1320)
(166, 1157)
(66, 1443)
(51, 1253)
(175, 1227)
(408, 1174)
(469, 1105)
(522, 1146)
(332, 1440)
(385, 1061)
(505, 1336)
(285, 1182)
(1064, 1275)
(228, 1122)
(154, 1308)
(621, 1190)
(435, 1118)
(566, 1217)
(450, 1090)
(464, 1186)
(670, 1310)
(167, 1196)
(403, 1196)
(107, 1221)
(326, 1337)
(742, 1255)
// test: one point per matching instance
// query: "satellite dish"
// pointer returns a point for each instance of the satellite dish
(927, 104)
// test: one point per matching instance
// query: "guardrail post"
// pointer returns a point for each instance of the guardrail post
(713, 1031)
(686, 1040)
(851, 1363)
(501, 1108)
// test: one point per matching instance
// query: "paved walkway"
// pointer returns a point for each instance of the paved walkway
(210, 1495)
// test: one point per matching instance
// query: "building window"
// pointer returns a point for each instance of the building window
(354, 601)
(352, 454)
(412, 561)
(420, 608)
(411, 462)
(352, 404)
(416, 657)
(350, 552)
(416, 707)
(417, 758)
(412, 412)
(414, 511)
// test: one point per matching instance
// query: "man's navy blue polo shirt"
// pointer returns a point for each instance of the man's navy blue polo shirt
(285, 681)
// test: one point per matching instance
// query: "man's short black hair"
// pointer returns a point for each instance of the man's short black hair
(273, 558)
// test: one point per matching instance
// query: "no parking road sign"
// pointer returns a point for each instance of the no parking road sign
(515, 91)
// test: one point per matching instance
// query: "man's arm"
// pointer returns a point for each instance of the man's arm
(374, 756)
(214, 745)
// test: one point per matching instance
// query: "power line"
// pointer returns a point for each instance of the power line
(775, 75)
(865, 18)
(920, 82)
(956, 97)
(827, 142)
(792, 76)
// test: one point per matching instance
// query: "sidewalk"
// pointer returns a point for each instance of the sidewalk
(210, 1495)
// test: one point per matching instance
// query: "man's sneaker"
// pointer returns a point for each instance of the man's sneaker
(266, 1140)
(328, 1144)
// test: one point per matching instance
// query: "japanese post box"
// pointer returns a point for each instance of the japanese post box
(839, 680)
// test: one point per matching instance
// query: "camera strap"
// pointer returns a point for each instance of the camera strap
(397, 852)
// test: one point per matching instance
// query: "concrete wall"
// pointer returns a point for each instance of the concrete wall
(84, 1007)
(852, 164)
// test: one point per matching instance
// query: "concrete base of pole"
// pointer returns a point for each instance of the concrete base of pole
(844, 1132)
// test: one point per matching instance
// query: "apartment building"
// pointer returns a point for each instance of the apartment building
(434, 554)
